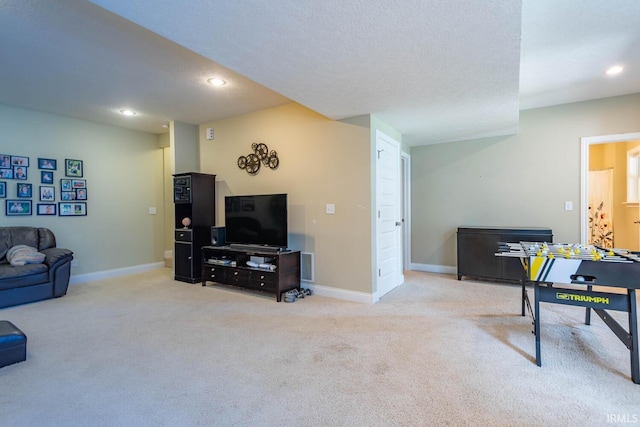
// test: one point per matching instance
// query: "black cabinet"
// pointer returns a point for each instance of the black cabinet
(194, 198)
(230, 266)
(477, 247)
(183, 264)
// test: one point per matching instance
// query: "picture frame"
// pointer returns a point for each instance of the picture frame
(65, 185)
(3, 190)
(5, 161)
(81, 194)
(6, 173)
(73, 168)
(20, 172)
(20, 161)
(50, 164)
(46, 177)
(24, 190)
(67, 195)
(17, 207)
(47, 193)
(79, 183)
(72, 209)
(47, 209)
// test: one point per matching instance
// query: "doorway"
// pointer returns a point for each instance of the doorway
(607, 216)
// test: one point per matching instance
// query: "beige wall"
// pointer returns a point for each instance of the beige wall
(321, 161)
(124, 173)
(518, 180)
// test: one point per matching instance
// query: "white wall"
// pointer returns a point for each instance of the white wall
(518, 180)
(124, 173)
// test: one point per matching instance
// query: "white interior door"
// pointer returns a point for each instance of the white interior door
(388, 214)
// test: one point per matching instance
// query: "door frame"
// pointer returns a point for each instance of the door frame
(585, 142)
(405, 159)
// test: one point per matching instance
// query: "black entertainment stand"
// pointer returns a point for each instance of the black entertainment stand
(228, 265)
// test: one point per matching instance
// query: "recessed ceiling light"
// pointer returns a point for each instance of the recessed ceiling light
(165, 126)
(217, 82)
(616, 69)
(128, 112)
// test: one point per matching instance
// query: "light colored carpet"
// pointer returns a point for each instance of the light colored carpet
(149, 351)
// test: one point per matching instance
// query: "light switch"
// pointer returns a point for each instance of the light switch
(331, 208)
(568, 206)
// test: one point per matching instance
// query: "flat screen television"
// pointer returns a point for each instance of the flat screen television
(256, 220)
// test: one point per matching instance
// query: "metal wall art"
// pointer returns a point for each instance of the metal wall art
(261, 155)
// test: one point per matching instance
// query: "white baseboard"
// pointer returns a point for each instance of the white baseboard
(432, 268)
(107, 274)
(343, 294)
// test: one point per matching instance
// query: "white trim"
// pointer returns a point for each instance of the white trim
(406, 158)
(108, 274)
(342, 294)
(584, 173)
(432, 268)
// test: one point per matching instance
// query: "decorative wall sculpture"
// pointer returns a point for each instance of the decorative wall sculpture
(261, 155)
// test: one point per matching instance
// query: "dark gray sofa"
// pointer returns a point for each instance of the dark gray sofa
(33, 282)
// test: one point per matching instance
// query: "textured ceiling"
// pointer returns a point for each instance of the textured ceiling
(567, 45)
(436, 71)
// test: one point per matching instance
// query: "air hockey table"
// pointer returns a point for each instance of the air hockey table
(578, 268)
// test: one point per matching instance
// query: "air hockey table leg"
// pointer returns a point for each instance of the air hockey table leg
(633, 331)
(536, 324)
(523, 295)
(587, 315)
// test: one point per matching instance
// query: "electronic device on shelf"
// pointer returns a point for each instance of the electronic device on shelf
(265, 266)
(257, 221)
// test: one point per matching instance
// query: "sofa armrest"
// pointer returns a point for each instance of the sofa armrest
(56, 256)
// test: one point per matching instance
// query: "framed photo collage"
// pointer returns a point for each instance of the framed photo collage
(42, 189)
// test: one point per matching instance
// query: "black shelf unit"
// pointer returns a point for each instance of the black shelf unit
(194, 197)
(477, 247)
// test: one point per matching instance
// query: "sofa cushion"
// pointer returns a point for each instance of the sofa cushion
(22, 275)
(47, 239)
(22, 236)
(23, 254)
(4, 247)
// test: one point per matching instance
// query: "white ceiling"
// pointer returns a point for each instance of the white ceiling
(436, 71)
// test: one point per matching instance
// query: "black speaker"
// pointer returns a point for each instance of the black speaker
(217, 236)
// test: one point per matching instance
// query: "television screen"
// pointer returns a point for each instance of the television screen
(256, 220)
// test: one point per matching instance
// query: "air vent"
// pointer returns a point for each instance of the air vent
(307, 273)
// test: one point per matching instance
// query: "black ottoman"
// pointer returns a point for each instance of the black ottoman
(13, 344)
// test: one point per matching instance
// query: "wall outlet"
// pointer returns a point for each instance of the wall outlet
(331, 208)
(152, 211)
